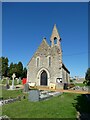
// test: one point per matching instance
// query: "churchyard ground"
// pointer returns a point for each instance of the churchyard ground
(63, 106)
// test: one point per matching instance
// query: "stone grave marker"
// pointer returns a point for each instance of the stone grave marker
(17, 81)
(13, 76)
(7, 84)
(26, 87)
(34, 95)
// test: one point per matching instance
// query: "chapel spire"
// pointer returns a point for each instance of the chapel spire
(55, 37)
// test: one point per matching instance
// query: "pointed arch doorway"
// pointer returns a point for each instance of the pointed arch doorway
(43, 78)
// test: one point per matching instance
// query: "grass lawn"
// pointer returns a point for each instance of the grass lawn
(11, 93)
(80, 84)
(64, 106)
(56, 107)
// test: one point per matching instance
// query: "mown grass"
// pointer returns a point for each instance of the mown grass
(11, 93)
(56, 107)
(5, 94)
(80, 84)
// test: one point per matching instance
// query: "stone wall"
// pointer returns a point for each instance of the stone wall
(53, 71)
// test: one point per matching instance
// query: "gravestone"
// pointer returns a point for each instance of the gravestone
(7, 81)
(34, 95)
(7, 84)
(17, 81)
(26, 87)
(13, 76)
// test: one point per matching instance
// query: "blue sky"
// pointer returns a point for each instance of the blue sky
(25, 25)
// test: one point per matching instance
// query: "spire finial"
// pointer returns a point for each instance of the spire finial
(55, 33)
(55, 24)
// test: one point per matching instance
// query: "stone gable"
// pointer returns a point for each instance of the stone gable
(43, 49)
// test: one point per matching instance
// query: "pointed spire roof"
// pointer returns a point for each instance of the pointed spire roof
(55, 33)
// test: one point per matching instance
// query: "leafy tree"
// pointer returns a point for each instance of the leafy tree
(8, 71)
(24, 75)
(19, 69)
(87, 77)
(4, 66)
(12, 69)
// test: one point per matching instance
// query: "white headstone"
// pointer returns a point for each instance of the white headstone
(17, 81)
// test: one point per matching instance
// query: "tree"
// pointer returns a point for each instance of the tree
(19, 69)
(16, 68)
(12, 69)
(24, 75)
(4, 66)
(8, 71)
(87, 76)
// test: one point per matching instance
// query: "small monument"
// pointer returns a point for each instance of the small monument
(34, 95)
(17, 81)
(26, 87)
(13, 76)
(7, 84)
(7, 80)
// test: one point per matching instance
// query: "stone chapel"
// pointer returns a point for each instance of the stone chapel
(46, 65)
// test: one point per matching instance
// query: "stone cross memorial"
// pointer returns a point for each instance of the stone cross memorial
(13, 76)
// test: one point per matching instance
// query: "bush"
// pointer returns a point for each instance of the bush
(71, 81)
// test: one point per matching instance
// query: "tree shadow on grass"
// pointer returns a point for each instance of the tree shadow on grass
(82, 106)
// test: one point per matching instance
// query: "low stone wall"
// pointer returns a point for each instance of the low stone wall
(3, 102)
(85, 88)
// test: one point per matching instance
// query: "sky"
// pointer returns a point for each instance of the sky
(25, 24)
